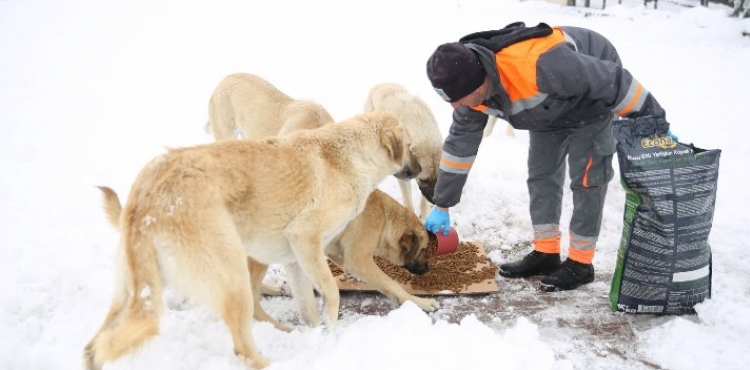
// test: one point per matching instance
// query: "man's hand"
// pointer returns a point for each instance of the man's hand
(437, 220)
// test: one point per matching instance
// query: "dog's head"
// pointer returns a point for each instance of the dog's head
(414, 245)
(408, 244)
(396, 140)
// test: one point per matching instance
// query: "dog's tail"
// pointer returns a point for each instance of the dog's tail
(112, 206)
(134, 314)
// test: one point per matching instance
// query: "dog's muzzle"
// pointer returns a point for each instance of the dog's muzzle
(417, 268)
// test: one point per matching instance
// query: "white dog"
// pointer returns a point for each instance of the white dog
(244, 105)
(427, 142)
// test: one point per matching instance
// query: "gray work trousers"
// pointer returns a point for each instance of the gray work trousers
(589, 150)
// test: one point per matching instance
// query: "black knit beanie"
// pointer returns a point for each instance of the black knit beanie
(454, 71)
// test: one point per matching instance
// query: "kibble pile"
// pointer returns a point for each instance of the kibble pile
(454, 271)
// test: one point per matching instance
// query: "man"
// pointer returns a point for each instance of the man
(563, 84)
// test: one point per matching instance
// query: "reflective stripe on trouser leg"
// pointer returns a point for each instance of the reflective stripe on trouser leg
(582, 248)
(547, 238)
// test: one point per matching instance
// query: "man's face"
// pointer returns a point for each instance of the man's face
(474, 98)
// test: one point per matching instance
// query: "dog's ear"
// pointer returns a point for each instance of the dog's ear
(393, 142)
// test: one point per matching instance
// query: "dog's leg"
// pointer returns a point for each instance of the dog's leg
(509, 131)
(115, 312)
(257, 271)
(270, 289)
(228, 292)
(312, 260)
(405, 186)
(213, 268)
(134, 314)
(303, 293)
(237, 312)
(491, 120)
(424, 208)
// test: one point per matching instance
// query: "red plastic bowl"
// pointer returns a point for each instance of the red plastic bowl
(447, 243)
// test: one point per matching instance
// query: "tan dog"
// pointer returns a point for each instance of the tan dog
(195, 213)
(244, 105)
(385, 228)
(427, 142)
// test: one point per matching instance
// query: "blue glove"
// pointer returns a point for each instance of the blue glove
(673, 136)
(436, 220)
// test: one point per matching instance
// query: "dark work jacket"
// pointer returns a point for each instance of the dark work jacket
(541, 79)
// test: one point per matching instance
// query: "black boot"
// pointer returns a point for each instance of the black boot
(569, 276)
(534, 263)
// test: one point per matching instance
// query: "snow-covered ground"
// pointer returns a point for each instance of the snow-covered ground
(91, 90)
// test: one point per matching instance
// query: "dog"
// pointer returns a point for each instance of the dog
(244, 105)
(427, 142)
(385, 228)
(194, 214)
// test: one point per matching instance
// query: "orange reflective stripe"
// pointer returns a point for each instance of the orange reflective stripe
(586, 173)
(581, 256)
(630, 106)
(547, 245)
(480, 107)
(516, 64)
(455, 164)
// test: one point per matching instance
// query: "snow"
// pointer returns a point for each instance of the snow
(91, 90)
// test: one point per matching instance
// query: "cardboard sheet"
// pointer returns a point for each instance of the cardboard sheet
(347, 283)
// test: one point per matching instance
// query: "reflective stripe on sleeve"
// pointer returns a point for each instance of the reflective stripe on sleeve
(633, 100)
(488, 111)
(458, 165)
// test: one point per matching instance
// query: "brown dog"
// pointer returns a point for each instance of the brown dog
(195, 213)
(385, 228)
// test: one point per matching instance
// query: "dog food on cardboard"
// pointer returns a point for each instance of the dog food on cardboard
(454, 271)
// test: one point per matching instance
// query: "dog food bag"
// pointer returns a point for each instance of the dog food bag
(664, 259)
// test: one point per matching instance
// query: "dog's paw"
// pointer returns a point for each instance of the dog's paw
(270, 289)
(427, 304)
